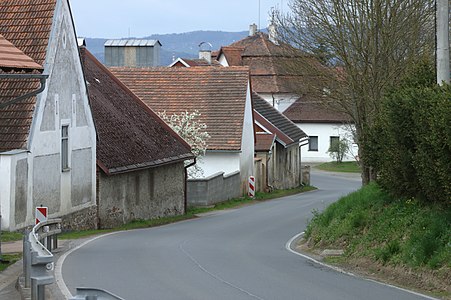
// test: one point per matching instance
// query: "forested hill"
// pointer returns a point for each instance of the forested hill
(177, 44)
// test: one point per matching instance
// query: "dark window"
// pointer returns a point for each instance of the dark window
(65, 147)
(334, 140)
(313, 143)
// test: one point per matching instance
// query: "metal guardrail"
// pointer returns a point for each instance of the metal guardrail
(37, 256)
(94, 294)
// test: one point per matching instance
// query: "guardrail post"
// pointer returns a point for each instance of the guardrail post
(27, 259)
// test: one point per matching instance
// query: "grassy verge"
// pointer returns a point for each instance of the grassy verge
(7, 236)
(191, 213)
(348, 167)
(9, 259)
(371, 226)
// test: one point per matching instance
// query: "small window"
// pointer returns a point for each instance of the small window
(334, 140)
(65, 147)
(313, 143)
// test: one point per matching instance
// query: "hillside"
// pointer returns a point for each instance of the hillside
(177, 44)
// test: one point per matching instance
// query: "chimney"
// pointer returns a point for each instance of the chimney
(252, 29)
(205, 53)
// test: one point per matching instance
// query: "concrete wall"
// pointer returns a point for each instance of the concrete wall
(143, 194)
(324, 131)
(213, 189)
(35, 177)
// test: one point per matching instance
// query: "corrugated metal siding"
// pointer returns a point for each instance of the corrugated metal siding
(132, 53)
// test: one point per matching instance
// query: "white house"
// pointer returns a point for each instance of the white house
(48, 149)
(322, 126)
(223, 98)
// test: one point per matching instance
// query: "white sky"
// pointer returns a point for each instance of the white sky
(115, 18)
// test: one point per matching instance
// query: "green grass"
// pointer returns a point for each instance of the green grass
(347, 167)
(9, 259)
(7, 236)
(369, 223)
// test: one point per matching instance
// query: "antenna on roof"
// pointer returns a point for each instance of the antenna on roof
(259, 27)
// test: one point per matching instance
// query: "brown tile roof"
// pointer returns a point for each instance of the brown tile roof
(305, 110)
(13, 58)
(271, 65)
(15, 119)
(26, 24)
(264, 141)
(219, 94)
(130, 135)
(281, 137)
(277, 119)
(232, 54)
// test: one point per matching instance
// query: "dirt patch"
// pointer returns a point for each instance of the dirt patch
(436, 283)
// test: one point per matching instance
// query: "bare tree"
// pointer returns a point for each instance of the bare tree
(367, 46)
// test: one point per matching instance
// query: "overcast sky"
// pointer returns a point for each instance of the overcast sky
(116, 18)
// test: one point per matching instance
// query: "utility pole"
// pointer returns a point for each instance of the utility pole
(442, 33)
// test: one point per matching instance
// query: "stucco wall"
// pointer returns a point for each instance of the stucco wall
(324, 132)
(143, 194)
(213, 189)
(214, 162)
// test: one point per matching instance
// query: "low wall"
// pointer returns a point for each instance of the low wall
(213, 189)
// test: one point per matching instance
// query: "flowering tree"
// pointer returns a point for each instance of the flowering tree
(193, 132)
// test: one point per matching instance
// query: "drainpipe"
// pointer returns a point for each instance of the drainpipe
(185, 203)
(42, 78)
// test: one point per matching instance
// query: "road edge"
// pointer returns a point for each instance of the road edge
(295, 238)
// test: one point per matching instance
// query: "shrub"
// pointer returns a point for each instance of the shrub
(410, 144)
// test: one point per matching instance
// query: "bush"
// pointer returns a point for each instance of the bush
(411, 142)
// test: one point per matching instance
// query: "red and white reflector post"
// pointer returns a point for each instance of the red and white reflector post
(41, 214)
(251, 192)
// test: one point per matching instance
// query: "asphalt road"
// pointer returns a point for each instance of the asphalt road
(235, 254)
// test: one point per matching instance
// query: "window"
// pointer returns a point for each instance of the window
(65, 147)
(313, 143)
(334, 140)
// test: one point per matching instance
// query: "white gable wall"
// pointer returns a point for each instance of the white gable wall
(280, 101)
(247, 142)
(63, 102)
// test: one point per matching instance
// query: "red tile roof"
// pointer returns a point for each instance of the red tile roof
(271, 65)
(130, 135)
(264, 141)
(26, 24)
(305, 110)
(13, 58)
(219, 94)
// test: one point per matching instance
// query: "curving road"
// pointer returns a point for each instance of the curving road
(235, 254)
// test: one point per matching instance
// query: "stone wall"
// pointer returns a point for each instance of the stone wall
(143, 194)
(213, 189)
(80, 220)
